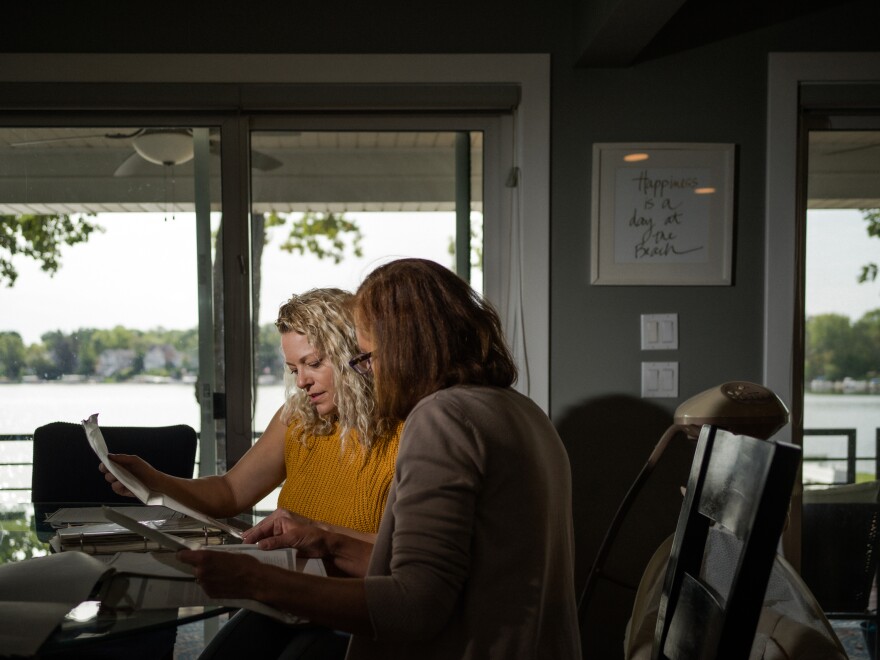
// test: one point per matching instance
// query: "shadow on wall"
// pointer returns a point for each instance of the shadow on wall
(608, 441)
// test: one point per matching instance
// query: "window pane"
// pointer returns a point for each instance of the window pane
(842, 314)
(338, 204)
(103, 313)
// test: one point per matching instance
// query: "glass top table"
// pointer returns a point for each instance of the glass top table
(109, 618)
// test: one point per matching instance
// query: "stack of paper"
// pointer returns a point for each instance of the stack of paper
(136, 486)
(171, 582)
(36, 594)
(88, 530)
(110, 538)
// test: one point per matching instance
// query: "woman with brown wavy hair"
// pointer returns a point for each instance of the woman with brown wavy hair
(474, 558)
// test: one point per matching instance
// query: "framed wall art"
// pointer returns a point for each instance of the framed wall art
(662, 214)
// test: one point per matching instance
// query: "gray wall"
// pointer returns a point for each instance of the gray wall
(714, 93)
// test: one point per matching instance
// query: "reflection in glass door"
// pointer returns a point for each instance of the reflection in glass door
(103, 307)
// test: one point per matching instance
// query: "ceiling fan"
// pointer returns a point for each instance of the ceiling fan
(166, 147)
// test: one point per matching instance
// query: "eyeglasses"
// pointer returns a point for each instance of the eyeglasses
(362, 363)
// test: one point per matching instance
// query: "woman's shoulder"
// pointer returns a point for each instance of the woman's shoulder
(387, 440)
(475, 401)
(465, 394)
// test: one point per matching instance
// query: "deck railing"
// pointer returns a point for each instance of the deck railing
(15, 475)
(851, 458)
(16, 466)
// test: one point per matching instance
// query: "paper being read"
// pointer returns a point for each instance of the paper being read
(137, 487)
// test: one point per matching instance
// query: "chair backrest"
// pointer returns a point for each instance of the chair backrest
(65, 469)
(742, 485)
(840, 536)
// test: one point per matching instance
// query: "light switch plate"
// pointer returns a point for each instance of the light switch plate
(659, 380)
(659, 332)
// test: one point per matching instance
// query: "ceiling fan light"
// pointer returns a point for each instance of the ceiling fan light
(165, 148)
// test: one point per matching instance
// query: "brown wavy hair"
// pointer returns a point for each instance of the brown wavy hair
(430, 330)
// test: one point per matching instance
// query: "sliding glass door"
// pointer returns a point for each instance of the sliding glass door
(104, 230)
(143, 263)
(842, 302)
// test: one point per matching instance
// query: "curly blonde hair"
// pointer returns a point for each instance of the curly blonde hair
(324, 317)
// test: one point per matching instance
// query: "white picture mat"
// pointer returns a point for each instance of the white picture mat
(653, 223)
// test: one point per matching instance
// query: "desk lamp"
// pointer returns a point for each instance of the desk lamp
(738, 406)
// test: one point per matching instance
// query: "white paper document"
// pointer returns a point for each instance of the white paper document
(36, 594)
(136, 486)
(165, 540)
(171, 582)
(79, 515)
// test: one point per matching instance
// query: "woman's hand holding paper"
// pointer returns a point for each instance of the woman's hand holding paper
(343, 552)
(135, 465)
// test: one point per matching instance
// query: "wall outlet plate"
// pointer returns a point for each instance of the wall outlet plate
(659, 332)
(659, 380)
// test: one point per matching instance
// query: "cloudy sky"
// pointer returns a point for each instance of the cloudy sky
(92, 289)
(89, 291)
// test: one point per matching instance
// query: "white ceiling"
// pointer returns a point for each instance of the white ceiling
(77, 170)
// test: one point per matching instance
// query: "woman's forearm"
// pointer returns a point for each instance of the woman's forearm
(339, 603)
(210, 495)
(349, 554)
(254, 476)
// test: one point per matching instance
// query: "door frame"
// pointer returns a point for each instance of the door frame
(783, 258)
(786, 73)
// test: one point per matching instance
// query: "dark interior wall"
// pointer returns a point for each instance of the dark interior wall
(714, 93)
(282, 26)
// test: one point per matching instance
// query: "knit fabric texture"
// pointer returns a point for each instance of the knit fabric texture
(339, 486)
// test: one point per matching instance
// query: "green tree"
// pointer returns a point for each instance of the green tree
(86, 355)
(18, 541)
(269, 358)
(476, 247)
(872, 217)
(12, 355)
(826, 346)
(866, 343)
(39, 237)
(326, 235)
(117, 337)
(187, 342)
(63, 350)
(39, 362)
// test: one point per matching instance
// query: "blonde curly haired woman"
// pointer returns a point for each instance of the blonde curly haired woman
(334, 455)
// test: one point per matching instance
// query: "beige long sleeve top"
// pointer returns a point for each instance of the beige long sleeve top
(475, 553)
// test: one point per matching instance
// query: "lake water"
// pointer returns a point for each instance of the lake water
(852, 411)
(25, 407)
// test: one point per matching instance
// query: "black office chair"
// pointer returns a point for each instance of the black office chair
(743, 485)
(65, 468)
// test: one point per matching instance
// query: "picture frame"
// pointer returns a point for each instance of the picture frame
(662, 214)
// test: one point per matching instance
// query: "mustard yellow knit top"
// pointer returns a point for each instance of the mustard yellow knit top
(336, 487)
